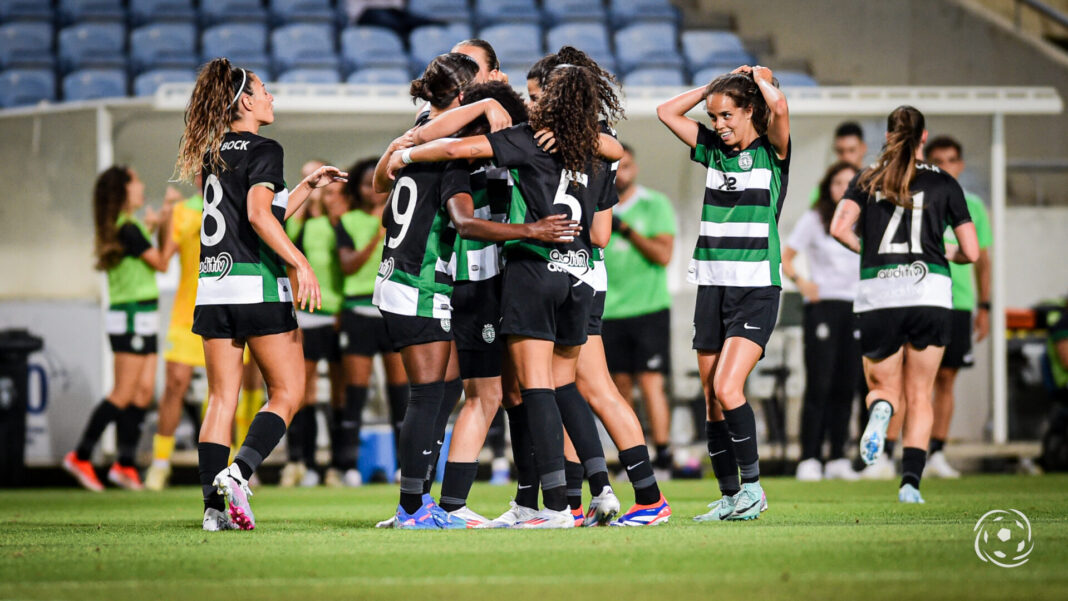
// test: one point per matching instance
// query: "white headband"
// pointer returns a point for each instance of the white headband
(244, 77)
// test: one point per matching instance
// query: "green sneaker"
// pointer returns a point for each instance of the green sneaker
(720, 510)
(749, 502)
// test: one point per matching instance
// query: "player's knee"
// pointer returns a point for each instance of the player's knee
(729, 394)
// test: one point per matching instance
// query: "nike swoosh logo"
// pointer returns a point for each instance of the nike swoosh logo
(740, 440)
(439, 442)
(521, 487)
(427, 452)
(749, 327)
(747, 508)
(630, 467)
(717, 453)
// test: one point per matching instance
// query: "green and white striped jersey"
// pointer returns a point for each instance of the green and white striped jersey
(491, 193)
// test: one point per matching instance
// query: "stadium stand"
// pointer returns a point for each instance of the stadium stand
(163, 46)
(148, 82)
(654, 77)
(26, 45)
(242, 43)
(317, 76)
(431, 40)
(645, 45)
(706, 48)
(380, 76)
(100, 45)
(21, 87)
(568, 11)
(25, 10)
(303, 45)
(221, 11)
(491, 12)
(90, 84)
(515, 42)
(591, 38)
(624, 12)
(363, 47)
(143, 12)
(302, 11)
(451, 11)
(78, 11)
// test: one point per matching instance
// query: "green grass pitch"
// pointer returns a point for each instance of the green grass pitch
(824, 540)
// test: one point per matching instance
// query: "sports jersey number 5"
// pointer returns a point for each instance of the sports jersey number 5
(213, 197)
(403, 219)
(887, 246)
(563, 198)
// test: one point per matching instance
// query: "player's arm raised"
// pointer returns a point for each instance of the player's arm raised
(672, 113)
(323, 176)
(445, 149)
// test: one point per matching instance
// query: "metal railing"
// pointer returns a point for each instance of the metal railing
(1046, 11)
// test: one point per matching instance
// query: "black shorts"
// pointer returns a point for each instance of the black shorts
(595, 325)
(959, 350)
(363, 335)
(476, 324)
(321, 343)
(407, 330)
(884, 331)
(543, 304)
(133, 343)
(724, 312)
(238, 322)
(639, 344)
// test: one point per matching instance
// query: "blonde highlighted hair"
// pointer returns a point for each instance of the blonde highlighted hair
(211, 109)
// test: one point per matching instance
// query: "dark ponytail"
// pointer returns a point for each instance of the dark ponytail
(444, 78)
(211, 109)
(896, 165)
(491, 55)
(744, 91)
(109, 197)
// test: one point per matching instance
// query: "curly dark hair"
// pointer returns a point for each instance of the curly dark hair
(352, 187)
(109, 197)
(824, 203)
(608, 87)
(503, 93)
(444, 78)
(744, 91)
(568, 107)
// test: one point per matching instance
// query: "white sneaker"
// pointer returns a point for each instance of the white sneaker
(292, 474)
(938, 467)
(840, 469)
(387, 523)
(516, 514)
(352, 478)
(882, 469)
(810, 470)
(548, 519)
(332, 478)
(603, 508)
(215, 520)
(311, 478)
(470, 518)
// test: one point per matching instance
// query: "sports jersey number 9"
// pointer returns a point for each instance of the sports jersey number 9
(563, 198)
(888, 247)
(403, 219)
(213, 196)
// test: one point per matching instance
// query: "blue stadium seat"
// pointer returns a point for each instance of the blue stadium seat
(148, 82)
(323, 76)
(624, 12)
(517, 73)
(25, 10)
(380, 76)
(163, 45)
(152, 11)
(566, 11)
(304, 45)
(654, 77)
(101, 45)
(302, 11)
(490, 12)
(451, 11)
(429, 41)
(706, 75)
(364, 46)
(90, 84)
(222, 11)
(21, 87)
(649, 45)
(515, 42)
(591, 38)
(76, 11)
(26, 44)
(795, 79)
(706, 48)
(241, 43)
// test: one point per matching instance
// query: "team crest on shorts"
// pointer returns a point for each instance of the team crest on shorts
(137, 343)
(488, 333)
(343, 340)
(745, 160)
(446, 324)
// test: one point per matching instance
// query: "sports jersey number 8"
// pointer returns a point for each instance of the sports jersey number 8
(213, 197)
(887, 246)
(563, 198)
(403, 219)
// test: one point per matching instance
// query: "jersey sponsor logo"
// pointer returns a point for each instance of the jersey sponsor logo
(575, 259)
(745, 160)
(918, 270)
(221, 264)
(489, 334)
(234, 145)
(385, 270)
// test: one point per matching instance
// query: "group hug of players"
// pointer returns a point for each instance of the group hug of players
(491, 284)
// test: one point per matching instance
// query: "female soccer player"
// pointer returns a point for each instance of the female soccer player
(124, 250)
(243, 295)
(489, 68)
(901, 207)
(736, 262)
(832, 352)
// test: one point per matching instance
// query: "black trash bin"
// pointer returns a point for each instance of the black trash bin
(15, 348)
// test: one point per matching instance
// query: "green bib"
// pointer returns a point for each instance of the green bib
(362, 228)
(132, 279)
(319, 242)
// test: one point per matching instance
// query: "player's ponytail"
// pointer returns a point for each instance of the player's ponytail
(212, 108)
(569, 107)
(896, 165)
(109, 197)
(744, 91)
(608, 87)
(444, 78)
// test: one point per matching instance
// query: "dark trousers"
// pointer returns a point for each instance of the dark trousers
(832, 371)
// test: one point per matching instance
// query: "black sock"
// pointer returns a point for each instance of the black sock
(937, 444)
(573, 474)
(526, 493)
(547, 436)
(888, 448)
(581, 426)
(912, 462)
(397, 395)
(640, 471)
(263, 435)
(417, 441)
(311, 437)
(128, 434)
(456, 484)
(495, 436)
(211, 459)
(665, 459)
(297, 434)
(348, 420)
(103, 414)
(451, 395)
(721, 453)
(741, 422)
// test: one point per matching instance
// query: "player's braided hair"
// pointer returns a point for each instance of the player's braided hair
(109, 197)
(211, 109)
(896, 166)
(608, 87)
(744, 91)
(568, 106)
(444, 78)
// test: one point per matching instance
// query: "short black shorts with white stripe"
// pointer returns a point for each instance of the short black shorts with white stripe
(639, 344)
(724, 312)
(136, 344)
(238, 322)
(408, 330)
(363, 335)
(884, 331)
(321, 343)
(476, 321)
(959, 350)
(595, 325)
(537, 302)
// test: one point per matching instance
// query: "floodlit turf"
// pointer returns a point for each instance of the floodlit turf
(825, 540)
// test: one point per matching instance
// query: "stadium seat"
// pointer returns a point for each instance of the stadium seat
(238, 11)
(491, 12)
(591, 38)
(77, 11)
(148, 82)
(795, 79)
(517, 73)
(321, 76)
(163, 45)
(515, 42)
(566, 11)
(380, 76)
(654, 77)
(100, 45)
(241, 43)
(364, 46)
(304, 45)
(452, 11)
(704, 76)
(650, 45)
(625, 12)
(302, 11)
(26, 44)
(90, 84)
(21, 87)
(25, 10)
(153, 11)
(704, 48)
(431, 40)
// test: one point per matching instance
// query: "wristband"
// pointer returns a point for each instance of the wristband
(406, 156)
(984, 305)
